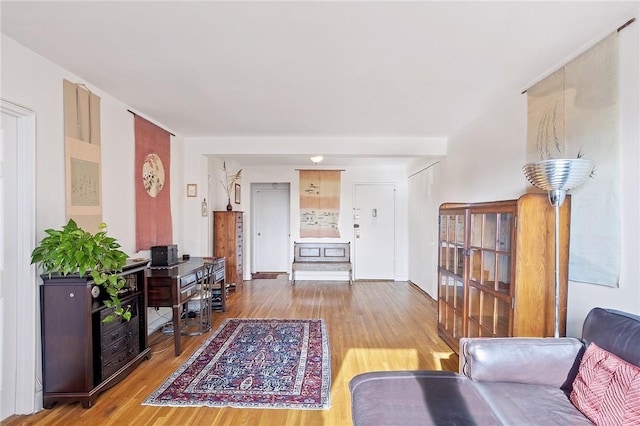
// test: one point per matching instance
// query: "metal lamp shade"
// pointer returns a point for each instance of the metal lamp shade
(558, 175)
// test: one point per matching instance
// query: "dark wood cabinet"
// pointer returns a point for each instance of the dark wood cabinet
(83, 356)
(227, 243)
(496, 269)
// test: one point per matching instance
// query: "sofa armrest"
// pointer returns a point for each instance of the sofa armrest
(542, 361)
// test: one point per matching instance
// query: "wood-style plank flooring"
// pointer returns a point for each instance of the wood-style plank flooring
(372, 325)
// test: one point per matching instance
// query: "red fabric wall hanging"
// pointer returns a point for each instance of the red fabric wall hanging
(152, 183)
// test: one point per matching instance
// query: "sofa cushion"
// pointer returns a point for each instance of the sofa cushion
(417, 398)
(607, 388)
(540, 361)
(519, 404)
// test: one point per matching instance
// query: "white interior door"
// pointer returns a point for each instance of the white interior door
(271, 231)
(374, 231)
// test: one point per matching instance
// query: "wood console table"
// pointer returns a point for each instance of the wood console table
(173, 286)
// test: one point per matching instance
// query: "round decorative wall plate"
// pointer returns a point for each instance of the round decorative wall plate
(153, 175)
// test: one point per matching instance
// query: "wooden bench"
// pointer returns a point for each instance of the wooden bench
(321, 257)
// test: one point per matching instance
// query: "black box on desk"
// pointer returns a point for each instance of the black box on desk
(164, 255)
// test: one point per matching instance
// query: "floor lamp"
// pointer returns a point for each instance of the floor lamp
(557, 176)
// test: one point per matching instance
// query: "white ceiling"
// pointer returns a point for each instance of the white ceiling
(310, 68)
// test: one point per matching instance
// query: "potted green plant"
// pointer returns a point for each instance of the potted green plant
(74, 251)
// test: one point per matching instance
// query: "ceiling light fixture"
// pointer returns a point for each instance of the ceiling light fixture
(316, 159)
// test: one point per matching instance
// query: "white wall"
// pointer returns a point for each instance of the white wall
(484, 162)
(36, 83)
(195, 227)
(350, 176)
(203, 158)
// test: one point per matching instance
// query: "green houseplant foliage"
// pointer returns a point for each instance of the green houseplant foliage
(72, 250)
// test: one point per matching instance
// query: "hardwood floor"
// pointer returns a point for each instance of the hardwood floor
(372, 325)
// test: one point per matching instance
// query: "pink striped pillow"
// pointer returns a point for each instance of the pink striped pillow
(607, 388)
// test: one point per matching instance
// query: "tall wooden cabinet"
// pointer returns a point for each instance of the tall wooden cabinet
(228, 243)
(83, 356)
(496, 269)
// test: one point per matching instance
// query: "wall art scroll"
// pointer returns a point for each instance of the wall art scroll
(319, 203)
(575, 111)
(82, 156)
(84, 197)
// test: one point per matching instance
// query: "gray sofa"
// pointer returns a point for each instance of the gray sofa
(502, 381)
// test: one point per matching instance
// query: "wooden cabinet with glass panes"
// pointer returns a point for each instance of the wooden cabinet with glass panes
(496, 268)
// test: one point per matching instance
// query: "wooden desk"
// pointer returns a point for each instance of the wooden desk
(174, 286)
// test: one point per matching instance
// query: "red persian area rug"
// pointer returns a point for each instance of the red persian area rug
(254, 363)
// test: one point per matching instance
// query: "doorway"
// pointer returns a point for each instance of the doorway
(374, 231)
(271, 227)
(18, 291)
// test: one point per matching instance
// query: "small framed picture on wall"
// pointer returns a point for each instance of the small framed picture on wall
(192, 190)
(237, 192)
